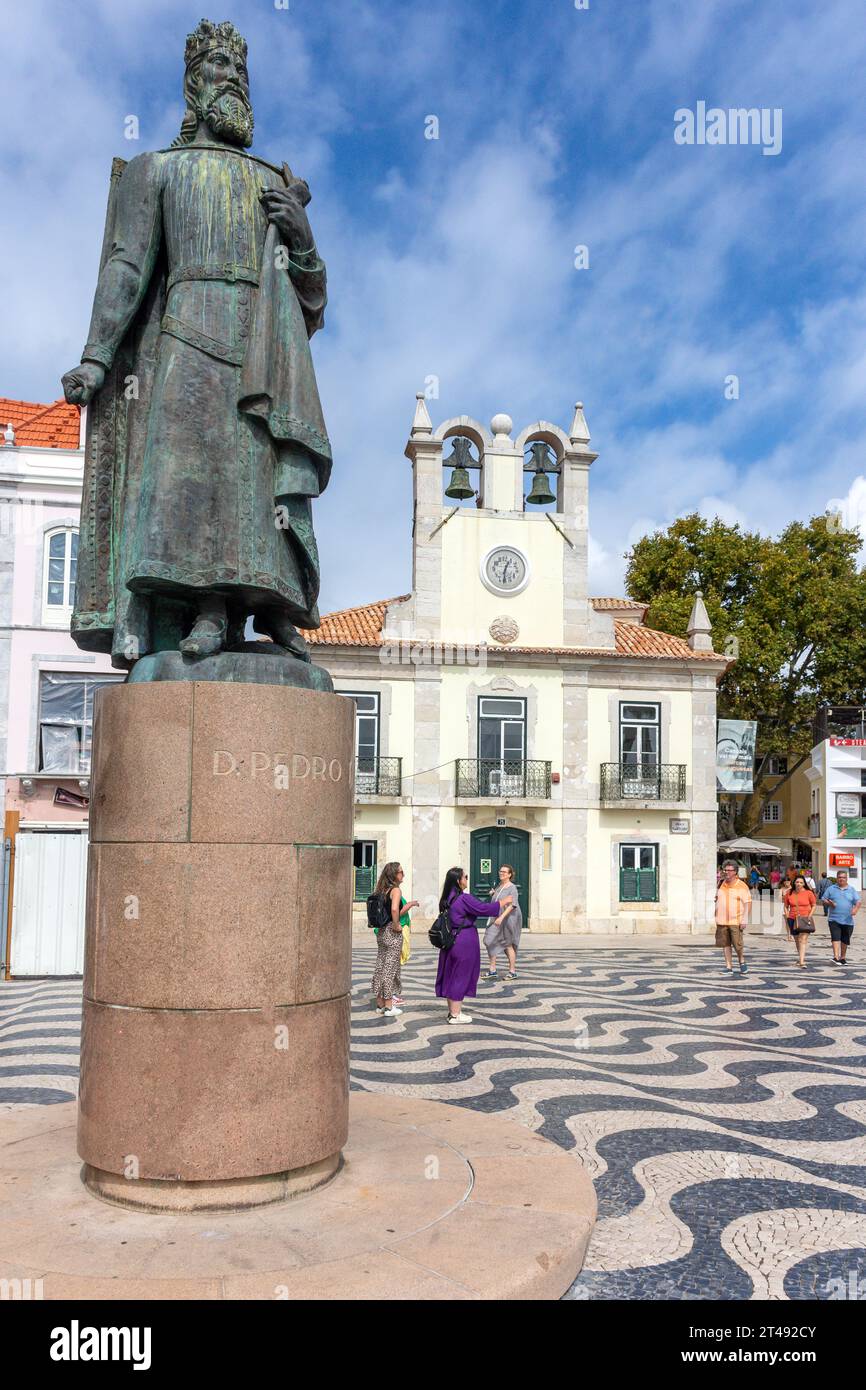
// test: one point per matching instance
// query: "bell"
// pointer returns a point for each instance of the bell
(460, 487)
(539, 494)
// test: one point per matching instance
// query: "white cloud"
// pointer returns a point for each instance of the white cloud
(852, 508)
(454, 257)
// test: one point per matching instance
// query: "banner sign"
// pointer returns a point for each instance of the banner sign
(848, 743)
(842, 861)
(848, 804)
(735, 754)
(851, 827)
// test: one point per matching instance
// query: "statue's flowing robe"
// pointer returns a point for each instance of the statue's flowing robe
(207, 443)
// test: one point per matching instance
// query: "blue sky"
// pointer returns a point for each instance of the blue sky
(454, 257)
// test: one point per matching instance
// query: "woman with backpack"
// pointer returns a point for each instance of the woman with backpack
(389, 939)
(460, 965)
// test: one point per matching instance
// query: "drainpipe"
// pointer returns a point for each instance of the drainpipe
(4, 929)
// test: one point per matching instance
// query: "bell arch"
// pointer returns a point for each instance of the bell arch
(465, 427)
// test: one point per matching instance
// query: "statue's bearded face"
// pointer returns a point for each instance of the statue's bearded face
(223, 98)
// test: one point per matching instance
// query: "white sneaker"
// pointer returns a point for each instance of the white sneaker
(460, 1018)
(392, 1012)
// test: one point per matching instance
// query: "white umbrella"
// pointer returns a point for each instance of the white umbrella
(747, 846)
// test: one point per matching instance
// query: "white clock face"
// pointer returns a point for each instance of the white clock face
(505, 570)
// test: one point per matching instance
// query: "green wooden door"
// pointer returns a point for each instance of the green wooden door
(494, 846)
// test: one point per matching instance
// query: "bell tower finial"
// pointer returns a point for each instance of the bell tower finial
(700, 629)
(422, 424)
(579, 429)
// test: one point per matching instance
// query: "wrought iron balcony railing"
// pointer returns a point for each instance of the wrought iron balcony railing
(378, 776)
(815, 826)
(643, 781)
(502, 778)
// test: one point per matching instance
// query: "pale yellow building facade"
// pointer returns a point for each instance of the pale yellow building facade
(504, 715)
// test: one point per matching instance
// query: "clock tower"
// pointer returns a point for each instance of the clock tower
(490, 565)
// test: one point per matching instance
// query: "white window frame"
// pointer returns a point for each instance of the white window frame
(518, 717)
(502, 780)
(640, 849)
(772, 813)
(375, 713)
(647, 760)
(366, 779)
(56, 614)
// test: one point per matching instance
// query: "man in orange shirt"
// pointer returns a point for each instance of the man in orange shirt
(733, 909)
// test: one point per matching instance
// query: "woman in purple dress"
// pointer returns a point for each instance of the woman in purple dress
(460, 967)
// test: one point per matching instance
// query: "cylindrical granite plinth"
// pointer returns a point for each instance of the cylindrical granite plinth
(215, 1040)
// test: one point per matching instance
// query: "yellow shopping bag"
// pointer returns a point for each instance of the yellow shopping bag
(406, 951)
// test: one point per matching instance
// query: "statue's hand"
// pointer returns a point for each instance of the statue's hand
(82, 383)
(285, 208)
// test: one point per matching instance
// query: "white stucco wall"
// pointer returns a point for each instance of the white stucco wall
(468, 608)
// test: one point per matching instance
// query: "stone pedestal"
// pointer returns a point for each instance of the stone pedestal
(215, 1042)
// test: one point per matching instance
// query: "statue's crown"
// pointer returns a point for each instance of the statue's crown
(209, 35)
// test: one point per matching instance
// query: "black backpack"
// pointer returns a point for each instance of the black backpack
(442, 935)
(378, 911)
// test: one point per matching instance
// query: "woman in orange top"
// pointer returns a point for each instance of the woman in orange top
(799, 904)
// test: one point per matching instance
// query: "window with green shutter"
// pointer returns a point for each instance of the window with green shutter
(638, 873)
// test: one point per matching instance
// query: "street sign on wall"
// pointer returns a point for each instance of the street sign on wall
(842, 861)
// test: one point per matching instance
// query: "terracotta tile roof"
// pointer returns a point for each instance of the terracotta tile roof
(354, 627)
(605, 605)
(633, 639)
(362, 627)
(37, 426)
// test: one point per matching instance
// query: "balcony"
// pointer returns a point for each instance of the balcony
(377, 777)
(815, 827)
(502, 780)
(646, 781)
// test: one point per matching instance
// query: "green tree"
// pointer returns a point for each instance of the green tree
(789, 613)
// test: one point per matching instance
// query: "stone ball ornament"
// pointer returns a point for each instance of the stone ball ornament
(504, 630)
(502, 425)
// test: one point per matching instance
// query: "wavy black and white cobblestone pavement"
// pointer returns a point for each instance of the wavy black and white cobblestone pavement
(722, 1121)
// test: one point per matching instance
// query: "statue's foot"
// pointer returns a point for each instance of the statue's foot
(285, 634)
(208, 637)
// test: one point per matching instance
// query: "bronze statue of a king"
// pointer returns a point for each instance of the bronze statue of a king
(205, 439)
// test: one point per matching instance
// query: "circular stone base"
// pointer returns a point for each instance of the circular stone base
(432, 1201)
(234, 1194)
